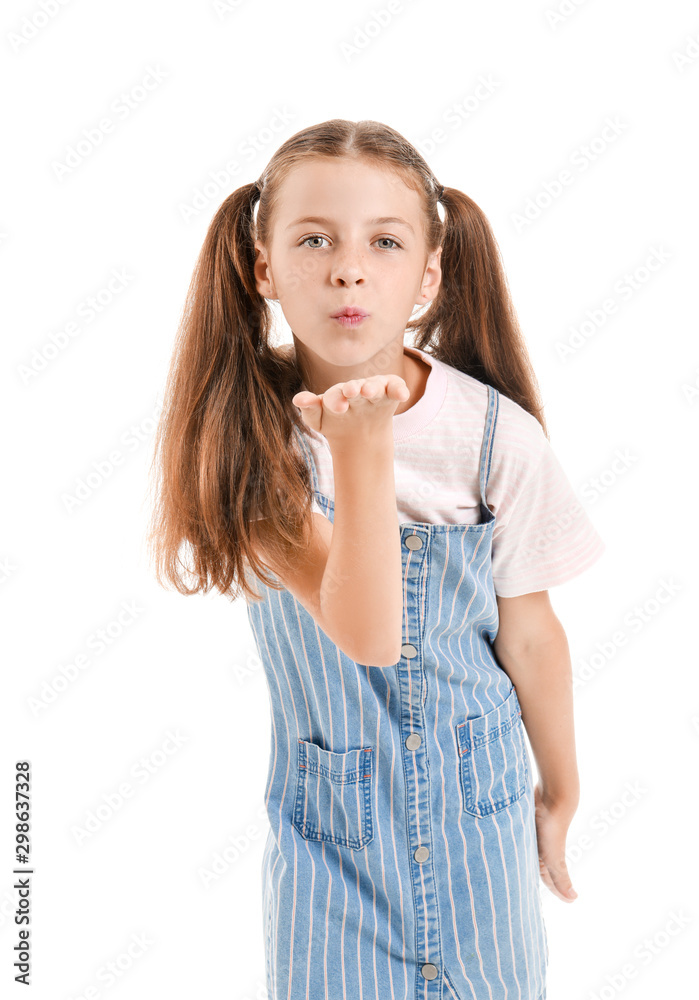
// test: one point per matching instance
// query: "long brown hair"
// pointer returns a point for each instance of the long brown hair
(222, 446)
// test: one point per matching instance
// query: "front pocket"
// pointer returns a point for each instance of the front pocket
(493, 755)
(334, 795)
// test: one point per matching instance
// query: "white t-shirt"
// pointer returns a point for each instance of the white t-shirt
(542, 535)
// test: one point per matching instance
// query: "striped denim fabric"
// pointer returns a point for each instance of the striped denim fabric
(401, 861)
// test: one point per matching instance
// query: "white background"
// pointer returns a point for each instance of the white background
(238, 81)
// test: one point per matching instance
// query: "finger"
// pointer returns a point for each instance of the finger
(557, 879)
(311, 408)
(335, 399)
(396, 388)
(391, 386)
(562, 881)
(352, 387)
(372, 388)
(546, 878)
(305, 398)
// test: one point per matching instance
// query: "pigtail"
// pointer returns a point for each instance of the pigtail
(472, 324)
(222, 455)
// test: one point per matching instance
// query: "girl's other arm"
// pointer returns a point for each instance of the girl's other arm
(532, 648)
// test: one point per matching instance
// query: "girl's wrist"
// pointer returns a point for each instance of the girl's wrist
(561, 800)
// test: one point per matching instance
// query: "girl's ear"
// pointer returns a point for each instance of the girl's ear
(432, 278)
(263, 280)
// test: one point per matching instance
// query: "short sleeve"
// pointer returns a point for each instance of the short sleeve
(542, 536)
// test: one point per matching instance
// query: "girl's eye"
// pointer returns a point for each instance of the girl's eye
(380, 239)
(304, 242)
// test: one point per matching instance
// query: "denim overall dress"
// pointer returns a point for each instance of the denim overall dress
(401, 861)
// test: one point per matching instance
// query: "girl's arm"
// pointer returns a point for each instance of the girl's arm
(362, 589)
(350, 577)
(532, 648)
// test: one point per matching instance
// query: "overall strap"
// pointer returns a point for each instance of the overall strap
(301, 438)
(488, 437)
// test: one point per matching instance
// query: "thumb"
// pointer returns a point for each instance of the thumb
(311, 407)
(556, 877)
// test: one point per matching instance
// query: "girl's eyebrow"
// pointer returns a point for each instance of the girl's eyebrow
(383, 220)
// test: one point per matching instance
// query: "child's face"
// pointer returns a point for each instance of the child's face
(353, 263)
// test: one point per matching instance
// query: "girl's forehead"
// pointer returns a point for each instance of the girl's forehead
(313, 175)
(310, 198)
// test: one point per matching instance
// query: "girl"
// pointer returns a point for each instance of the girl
(394, 516)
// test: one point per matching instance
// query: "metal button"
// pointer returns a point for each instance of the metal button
(429, 971)
(413, 542)
(422, 854)
(408, 650)
(413, 741)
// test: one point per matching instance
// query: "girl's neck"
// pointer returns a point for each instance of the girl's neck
(416, 374)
